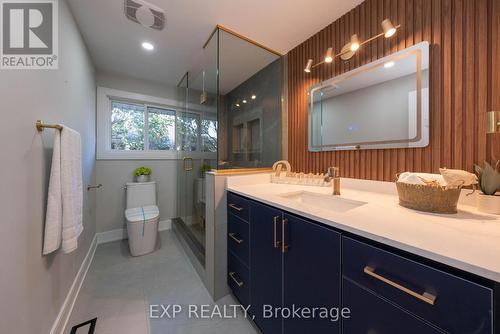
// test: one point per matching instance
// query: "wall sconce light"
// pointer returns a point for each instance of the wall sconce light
(308, 66)
(354, 43)
(349, 50)
(329, 55)
(493, 122)
(388, 27)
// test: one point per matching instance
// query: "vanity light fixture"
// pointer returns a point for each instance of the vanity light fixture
(493, 122)
(308, 66)
(329, 55)
(354, 43)
(255, 96)
(388, 27)
(349, 50)
(148, 46)
(389, 64)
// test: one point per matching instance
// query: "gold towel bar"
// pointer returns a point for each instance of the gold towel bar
(40, 126)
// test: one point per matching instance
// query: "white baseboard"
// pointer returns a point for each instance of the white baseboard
(69, 302)
(121, 233)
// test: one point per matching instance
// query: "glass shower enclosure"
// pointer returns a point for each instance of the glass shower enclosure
(231, 118)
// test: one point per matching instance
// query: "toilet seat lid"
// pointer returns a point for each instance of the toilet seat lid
(138, 215)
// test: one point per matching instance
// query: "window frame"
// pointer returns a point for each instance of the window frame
(105, 96)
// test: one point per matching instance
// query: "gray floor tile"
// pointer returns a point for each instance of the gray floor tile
(119, 290)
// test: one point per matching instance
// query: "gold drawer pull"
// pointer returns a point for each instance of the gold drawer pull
(425, 297)
(237, 208)
(233, 236)
(276, 242)
(239, 283)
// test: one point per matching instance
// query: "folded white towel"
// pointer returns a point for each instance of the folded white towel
(53, 218)
(458, 177)
(71, 188)
(421, 178)
(63, 223)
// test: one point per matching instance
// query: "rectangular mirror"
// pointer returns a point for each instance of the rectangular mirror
(383, 104)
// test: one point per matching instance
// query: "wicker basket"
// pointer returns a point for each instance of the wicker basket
(428, 198)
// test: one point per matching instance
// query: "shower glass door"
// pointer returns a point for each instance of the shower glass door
(196, 143)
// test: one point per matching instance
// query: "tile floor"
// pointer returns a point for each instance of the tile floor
(119, 290)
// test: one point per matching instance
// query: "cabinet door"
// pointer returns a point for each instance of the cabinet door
(311, 274)
(371, 314)
(265, 265)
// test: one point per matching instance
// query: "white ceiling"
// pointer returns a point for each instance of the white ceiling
(114, 41)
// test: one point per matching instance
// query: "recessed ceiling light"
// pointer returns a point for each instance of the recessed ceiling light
(244, 101)
(254, 97)
(389, 64)
(237, 104)
(148, 46)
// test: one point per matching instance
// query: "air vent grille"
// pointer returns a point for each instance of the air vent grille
(145, 14)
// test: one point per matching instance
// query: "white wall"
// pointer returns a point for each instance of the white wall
(32, 286)
(116, 81)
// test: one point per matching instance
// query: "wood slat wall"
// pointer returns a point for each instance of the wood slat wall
(464, 37)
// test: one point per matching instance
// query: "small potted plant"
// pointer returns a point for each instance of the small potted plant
(142, 174)
(203, 169)
(488, 200)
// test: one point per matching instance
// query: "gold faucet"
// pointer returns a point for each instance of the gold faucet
(333, 175)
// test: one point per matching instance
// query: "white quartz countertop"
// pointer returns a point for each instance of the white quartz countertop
(468, 240)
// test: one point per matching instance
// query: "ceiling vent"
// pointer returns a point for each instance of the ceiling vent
(144, 13)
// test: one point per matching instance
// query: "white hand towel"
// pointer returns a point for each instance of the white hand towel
(53, 218)
(71, 188)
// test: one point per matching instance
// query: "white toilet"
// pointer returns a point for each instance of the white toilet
(142, 216)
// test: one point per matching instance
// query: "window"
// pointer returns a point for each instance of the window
(161, 129)
(127, 126)
(209, 135)
(131, 132)
(188, 127)
(134, 126)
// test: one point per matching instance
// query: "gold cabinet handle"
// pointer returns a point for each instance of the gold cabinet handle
(276, 243)
(425, 297)
(237, 208)
(284, 246)
(238, 283)
(233, 236)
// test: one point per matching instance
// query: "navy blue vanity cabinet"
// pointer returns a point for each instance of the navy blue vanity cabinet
(311, 277)
(238, 248)
(449, 302)
(266, 265)
(371, 314)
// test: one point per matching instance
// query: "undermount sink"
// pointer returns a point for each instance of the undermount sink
(323, 201)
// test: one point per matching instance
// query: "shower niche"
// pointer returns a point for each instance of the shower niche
(247, 137)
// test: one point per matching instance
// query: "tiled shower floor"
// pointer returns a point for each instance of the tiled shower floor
(119, 289)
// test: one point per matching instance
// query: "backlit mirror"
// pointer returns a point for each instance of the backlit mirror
(384, 104)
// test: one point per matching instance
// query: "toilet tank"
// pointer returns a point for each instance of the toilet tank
(141, 194)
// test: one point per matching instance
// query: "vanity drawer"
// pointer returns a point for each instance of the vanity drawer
(238, 238)
(371, 314)
(238, 206)
(238, 279)
(460, 306)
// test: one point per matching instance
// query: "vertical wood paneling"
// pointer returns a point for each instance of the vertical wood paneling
(464, 37)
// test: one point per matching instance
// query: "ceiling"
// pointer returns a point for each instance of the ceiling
(115, 42)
